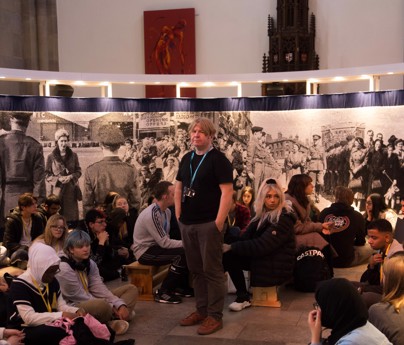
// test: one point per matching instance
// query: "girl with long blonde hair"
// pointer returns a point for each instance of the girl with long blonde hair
(388, 316)
(55, 233)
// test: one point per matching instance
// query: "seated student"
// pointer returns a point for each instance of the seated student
(106, 207)
(82, 285)
(347, 235)
(307, 232)
(118, 236)
(55, 233)
(380, 235)
(401, 212)
(152, 245)
(339, 307)
(388, 316)
(247, 199)
(35, 299)
(237, 220)
(376, 208)
(11, 336)
(23, 224)
(49, 207)
(106, 258)
(3, 302)
(267, 248)
(131, 216)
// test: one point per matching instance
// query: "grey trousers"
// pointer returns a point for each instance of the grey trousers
(203, 250)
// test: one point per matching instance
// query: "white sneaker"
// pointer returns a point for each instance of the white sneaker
(132, 315)
(119, 326)
(239, 306)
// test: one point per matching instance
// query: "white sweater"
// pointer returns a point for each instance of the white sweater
(152, 228)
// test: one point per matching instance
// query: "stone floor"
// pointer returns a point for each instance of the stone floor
(157, 324)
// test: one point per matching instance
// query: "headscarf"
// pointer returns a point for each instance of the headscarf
(342, 308)
(40, 258)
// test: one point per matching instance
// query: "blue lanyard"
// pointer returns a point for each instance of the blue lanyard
(193, 175)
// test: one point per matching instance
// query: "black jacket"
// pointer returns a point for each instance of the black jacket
(271, 248)
(14, 227)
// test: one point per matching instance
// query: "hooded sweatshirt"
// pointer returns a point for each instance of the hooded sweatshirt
(349, 231)
(344, 312)
(28, 307)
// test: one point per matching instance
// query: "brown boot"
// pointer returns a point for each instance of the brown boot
(210, 325)
(192, 319)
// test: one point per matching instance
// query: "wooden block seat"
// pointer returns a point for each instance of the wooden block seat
(146, 278)
(266, 297)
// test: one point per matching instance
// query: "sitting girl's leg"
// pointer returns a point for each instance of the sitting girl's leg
(234, 265)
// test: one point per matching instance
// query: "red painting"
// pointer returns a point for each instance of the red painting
(169, 41)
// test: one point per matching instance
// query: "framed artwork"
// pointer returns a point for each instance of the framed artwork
(169, 45)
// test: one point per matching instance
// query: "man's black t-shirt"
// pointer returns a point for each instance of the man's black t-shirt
(214, 170)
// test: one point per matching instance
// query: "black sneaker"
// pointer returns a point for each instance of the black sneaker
(165, 297)
(184, 292)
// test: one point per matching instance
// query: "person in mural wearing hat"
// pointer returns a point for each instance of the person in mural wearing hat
(170, 171)
(129, 155)
(358, 163)
(255, 157)
(22, 164)
(110, 173)
(62, 173)
(156, 175)
(370, 143)
(316, 165)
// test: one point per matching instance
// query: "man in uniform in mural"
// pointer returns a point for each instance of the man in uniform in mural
(271, 166)
(370, 144)
(294, 162)
(255, 157)
(400, 153)
(22, 164)
(316, 165)
(109, 174)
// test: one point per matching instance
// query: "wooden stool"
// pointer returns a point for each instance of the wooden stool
(266, 297)
(146, 278)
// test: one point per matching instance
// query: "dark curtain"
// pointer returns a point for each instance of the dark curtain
(351, 100)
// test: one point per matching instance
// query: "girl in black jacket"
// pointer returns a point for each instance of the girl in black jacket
(267, 248)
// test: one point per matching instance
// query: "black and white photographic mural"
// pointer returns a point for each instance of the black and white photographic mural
(82, 155)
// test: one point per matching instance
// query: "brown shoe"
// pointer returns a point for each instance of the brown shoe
(192, 319)
(210, 325)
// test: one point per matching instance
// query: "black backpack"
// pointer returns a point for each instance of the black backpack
(310, 268)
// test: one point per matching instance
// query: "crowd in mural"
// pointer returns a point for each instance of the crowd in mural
(160, 200)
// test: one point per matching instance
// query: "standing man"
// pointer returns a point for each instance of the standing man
(255, 157)
(316, 166)
(22, 164)
(203, 194)
(109, 174)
